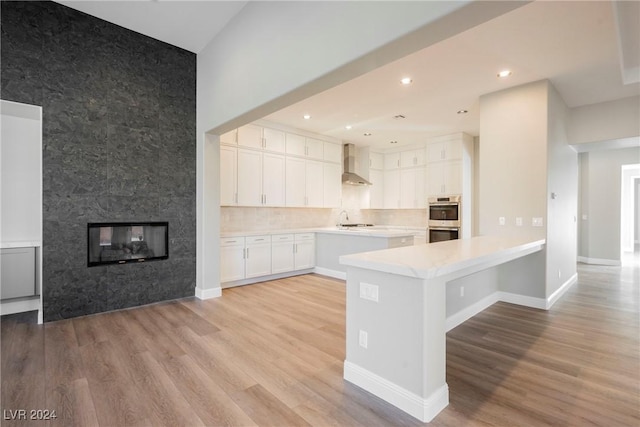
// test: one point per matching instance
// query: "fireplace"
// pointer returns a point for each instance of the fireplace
(125, 242)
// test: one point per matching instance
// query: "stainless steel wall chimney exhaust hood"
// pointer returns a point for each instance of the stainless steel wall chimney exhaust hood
(349, 176)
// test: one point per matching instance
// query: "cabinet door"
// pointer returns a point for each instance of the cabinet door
(258, 260)
(295, 144)
(435, 152)
(282, 253)
(452, 177)
(421, 188)
(314, 180)
(229, 137)
(305, 254)
(273, 140)
(391, 161)
(392, 189)
(332, 176)
(452, 150)
(315, 149)
(435, 172)
(376, 160)
(273, 179)
(376, 190)
(295, 187)
(232, 261)
(228, 175)
(18, 267)
(250, 136)
(408, 159)
(408, 189)
(332, 152)
(249, 178)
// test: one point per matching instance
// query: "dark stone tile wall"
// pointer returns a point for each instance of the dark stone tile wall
(118, 145)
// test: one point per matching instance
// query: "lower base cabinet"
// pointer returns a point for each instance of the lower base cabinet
(249, 257)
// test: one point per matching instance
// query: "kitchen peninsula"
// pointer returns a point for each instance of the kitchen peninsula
(397, 310)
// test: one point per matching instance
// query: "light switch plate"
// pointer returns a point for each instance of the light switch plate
(502, 220)
(369, 291)
(519, 221)
(363, 339)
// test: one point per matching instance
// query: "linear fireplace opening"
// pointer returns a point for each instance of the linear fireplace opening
(124, 242)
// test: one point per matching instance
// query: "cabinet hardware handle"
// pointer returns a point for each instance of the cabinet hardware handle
(247, 253)
(264, 142)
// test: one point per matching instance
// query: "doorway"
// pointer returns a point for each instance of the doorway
(630, 214)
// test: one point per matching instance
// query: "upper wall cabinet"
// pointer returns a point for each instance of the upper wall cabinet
(332, 152)
(229, 138)
(376, 160)
(311, 148)
(250, 136)
(391, 161)
(273, 140)
(449, 147)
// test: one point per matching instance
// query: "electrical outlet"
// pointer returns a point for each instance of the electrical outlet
(536, 222)
(559, 274)
(462, 291)
(363, 339)
(502, 220)
(369, 291)
(519, 221)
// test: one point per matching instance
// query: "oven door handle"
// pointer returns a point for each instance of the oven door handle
(445, 228)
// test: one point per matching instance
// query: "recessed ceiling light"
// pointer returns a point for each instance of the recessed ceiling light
(367, 134)
(463, 111)
(406, 81)
(347, 127)
(306, 116)
(399, 116)
(504, 73)
(393, 142)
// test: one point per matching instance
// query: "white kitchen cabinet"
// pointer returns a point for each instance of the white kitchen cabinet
(249, 178)
(376, 160)
(444, 178)
(315, 149)
(18, 268)
(314, 184)
(257, 256)
(273, 140)
(250, 136)
(412, 158)
(332, 152)
(228, 175)
(304, 251)
(232, 259)
(273, 179)
(297, 145)
(412, 188)
(305, 183)
(449, 149)
(282, 247)
(392, 189)
(332, 191)
(391, 161)
(230, 137)
(261, 179)
(376, 190)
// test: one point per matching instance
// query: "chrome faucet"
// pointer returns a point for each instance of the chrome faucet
(340, 215)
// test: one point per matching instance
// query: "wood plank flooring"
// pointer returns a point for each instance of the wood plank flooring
(271, 354)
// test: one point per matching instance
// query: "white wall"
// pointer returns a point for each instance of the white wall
(562, 211)
(600, 196)
(512, 167)
(630, 175)
(605, 121)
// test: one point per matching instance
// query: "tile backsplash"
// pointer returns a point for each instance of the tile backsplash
(234, 219)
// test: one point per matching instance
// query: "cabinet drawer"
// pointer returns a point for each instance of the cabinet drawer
(277, 238)
(305, 236)
(232, 241)
(256, 240)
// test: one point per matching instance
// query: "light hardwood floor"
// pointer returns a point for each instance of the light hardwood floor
(271, 354)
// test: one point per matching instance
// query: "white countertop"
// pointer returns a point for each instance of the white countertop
(445, 258)
(381, 231)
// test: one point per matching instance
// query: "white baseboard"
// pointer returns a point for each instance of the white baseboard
(561, 290)
(423, 409)
(20, 306)
(524, 300)
(599, 261)
(468, 312)
(331, 273)
(208, 293)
